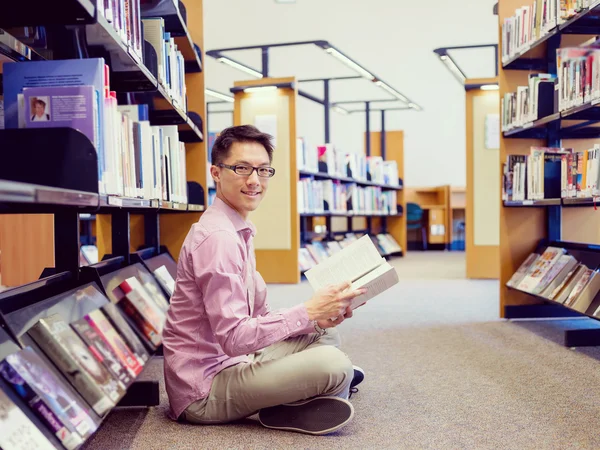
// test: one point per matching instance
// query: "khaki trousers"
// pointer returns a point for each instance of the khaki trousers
(292, 370)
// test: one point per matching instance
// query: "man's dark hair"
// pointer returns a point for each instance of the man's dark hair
(242, 133)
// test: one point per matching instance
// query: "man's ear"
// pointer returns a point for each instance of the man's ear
(215, 172)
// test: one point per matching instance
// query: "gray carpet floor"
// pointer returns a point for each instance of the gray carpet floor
(443, 372)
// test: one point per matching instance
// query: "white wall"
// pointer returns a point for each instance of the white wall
(394, 39)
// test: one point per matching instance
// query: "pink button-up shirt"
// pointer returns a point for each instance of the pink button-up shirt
(219, 312)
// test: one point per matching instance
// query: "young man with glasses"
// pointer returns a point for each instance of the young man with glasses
(227, 354)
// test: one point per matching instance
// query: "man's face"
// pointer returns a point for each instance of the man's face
(243, 192)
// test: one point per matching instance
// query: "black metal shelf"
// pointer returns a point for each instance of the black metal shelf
(41, 12)
(587, 201)
(326, 176)
(175, 24)
(534, 203)
(533, 130)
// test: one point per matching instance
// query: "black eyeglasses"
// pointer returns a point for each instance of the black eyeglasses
(246, 170)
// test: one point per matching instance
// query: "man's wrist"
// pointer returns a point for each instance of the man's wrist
(318, 328)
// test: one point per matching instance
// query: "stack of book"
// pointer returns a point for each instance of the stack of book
(318, 196)
(135, 159)
(557, 276)
(528, 103)
(530, 23)
(535, 176)
(319, 250)
(80, 369)
(578, 70)
(327, 159)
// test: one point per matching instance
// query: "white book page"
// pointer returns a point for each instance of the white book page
(349, 264)
(377, 281)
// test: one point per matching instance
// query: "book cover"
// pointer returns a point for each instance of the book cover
(105, 355)
(103, 327)
(65, 106)
(166, 280)
(48, 397)
(360, 263)
(69, 353)
(18, 432)
(115, 316)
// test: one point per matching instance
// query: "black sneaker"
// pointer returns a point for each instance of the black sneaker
(359, 376)
(318, 415)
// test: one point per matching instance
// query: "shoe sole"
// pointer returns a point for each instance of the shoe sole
(317, 416)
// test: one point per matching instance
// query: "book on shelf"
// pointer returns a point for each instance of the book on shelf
(556, 275)
(111, 337)
(529, 103)
(127, 334)
(69, 353)
(104, 354)
(135, 159)
(165, 279)
(48, 397)
(360, 263)
(18, 432)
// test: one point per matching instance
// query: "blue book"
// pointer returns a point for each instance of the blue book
(34, 74)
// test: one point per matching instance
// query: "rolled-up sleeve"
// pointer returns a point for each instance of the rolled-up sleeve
(224, 294)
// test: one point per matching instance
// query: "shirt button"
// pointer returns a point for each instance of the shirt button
(298, 323)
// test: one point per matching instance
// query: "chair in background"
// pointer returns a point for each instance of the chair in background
(415, 220)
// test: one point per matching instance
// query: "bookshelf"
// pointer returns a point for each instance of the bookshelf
(569, 223)
(51, 180)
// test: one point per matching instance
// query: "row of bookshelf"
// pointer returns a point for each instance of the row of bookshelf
(553, 274)
(326, 160)
(311, 254)
(326, 176)
(552, 173)
(316, 196)
(532, 25)
(79, 351)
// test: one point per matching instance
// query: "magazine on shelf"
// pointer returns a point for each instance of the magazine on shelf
(48, 397)
(360, 263)
(70, 354)
(18, 432)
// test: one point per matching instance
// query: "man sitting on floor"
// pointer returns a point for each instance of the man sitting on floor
(227, 355)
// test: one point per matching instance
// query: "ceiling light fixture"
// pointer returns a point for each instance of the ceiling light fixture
(239, 66)
(392, 91)
(340, 110)
(343, 58)
(453, 68)
(260, 89)
(489, 87)
(219, 95)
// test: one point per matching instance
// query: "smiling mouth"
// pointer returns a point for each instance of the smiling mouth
(251, 194)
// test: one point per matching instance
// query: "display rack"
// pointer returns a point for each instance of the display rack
(566, 223)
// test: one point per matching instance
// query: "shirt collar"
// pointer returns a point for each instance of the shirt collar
(238, 222)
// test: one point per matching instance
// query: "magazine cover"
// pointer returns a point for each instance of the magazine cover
(165, 279)
(103, 327)
(103, 353)
(18, 432)
(115, 316)
(68, 352)
(48, 397)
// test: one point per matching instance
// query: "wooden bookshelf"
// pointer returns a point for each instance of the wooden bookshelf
(522, 228)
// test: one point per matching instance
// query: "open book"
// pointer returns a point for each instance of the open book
(361, 263)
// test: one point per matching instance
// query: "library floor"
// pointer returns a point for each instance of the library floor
(442, 372)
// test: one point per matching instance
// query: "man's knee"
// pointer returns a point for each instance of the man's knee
(332, 365)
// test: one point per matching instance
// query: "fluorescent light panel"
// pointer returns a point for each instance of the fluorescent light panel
(218, 95)
(489, 87)
(364, 73)
(453, 68)
(340, 110)
(260, 89)
(239, 66)
(392, 91)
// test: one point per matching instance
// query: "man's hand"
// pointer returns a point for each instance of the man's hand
(328, 323)
(332, 301)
